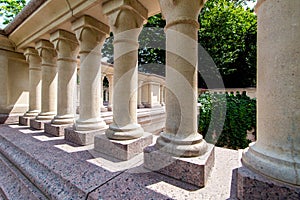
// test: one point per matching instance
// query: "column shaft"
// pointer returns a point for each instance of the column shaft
(110, 91)
(67, 48)
(277, 149)
(126, 25)
(140, 85)
(49, 80)
(181, 137)
(91, 35)
(35, 83)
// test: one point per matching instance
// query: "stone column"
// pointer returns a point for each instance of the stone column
(162, 99)
(181, 138)
(276, 152)
(49, 84)
(126, 21)
(139, 104)
(91, 34)
(150, 95)
(102, 107)
(35, 83)
(110, 92)
(66, 46)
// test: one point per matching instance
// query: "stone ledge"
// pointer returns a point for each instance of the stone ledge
(194, 170)
(82, 137)
(56, 130)
(251, 185)
(37, 124)
(122, 149)
(56, 173)
(14, 185)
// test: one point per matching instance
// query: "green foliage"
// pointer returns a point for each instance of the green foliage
(228, 34)
(10, 8)
(240, 117)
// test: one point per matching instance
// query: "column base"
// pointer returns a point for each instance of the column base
(122, 149)
(251, 185)
(195, 170)
(38, 124)
(56, 130)
(31, 114)
(25, 121)
(82, 137)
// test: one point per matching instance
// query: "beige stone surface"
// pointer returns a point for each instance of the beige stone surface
(90, 34)
(13, 86)
(276, 152)
(110, 91)
(181, 137)
(49, 79)
(35, 83)
(67, 48)
(126, 20)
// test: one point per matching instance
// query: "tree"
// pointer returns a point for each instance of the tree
(228, 34)
(10, 8)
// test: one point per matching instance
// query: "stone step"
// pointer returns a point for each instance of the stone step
(56, 173)
(14, 185)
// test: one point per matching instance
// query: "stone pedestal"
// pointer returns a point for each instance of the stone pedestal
(194, 170)
(25, 121)
(56, 130)
(83, 137)
(122, 149)
(252, 185)
(38, 124)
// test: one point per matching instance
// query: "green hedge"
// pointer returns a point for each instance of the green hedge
(236, 112)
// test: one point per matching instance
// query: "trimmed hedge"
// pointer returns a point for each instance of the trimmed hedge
(236, 112)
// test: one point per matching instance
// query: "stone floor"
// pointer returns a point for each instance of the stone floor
(35, 165)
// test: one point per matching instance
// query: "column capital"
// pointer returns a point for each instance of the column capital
(89, 32)
(120, 11)
(31, 55)
(66, 44)
(47, 52)
(181, 11)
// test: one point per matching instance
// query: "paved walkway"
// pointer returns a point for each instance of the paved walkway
(54, 168)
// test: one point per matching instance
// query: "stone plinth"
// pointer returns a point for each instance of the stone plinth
(9, 118)
(38, 124)
(193, 170)
(56, 130)
(252, 185)
(25, 121)
(82, 137)
(122, 149)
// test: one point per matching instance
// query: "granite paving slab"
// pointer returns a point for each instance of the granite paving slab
(55, 172)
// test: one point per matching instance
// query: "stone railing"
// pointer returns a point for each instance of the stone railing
(251, 92)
